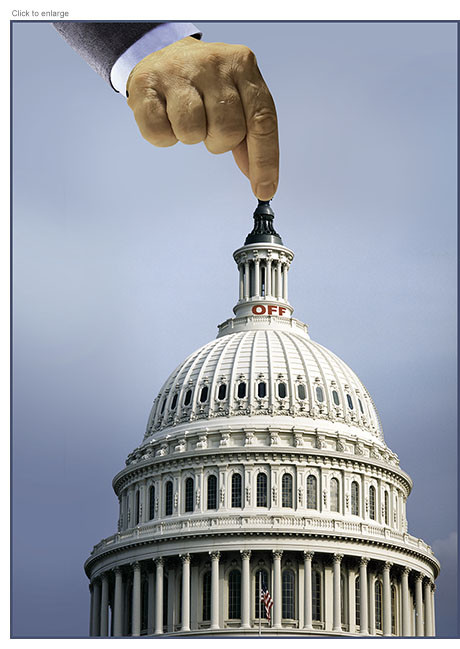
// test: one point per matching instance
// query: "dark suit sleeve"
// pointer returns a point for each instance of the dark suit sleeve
(101, 44)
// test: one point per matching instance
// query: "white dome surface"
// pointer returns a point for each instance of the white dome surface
(221, 380)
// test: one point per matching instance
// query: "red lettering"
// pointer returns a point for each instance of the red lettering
(282, 309)
(258, 309)
(271, 309)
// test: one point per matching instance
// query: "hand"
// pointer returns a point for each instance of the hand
(192, 92)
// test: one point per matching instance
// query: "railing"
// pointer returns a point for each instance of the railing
(210, 524)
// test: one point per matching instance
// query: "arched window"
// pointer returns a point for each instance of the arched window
(204, 394)
(386, 508)
(288, 592)
(393, 609)
(301, 392)
(222, 392)
(163, 406)
(212, 492)
(286, 490)
(188, 398)
(319, 394)
(189, 492)
(206, 605)
(316, 595)
(174, 402)
(335, 396)
(261, 576)
(151, 502)
(261, 390)
(372, 502)
(357, 602)
(241, 390)
(261, 490)
(350, 402)
(137, 508)
(378, 604)
(282, 391)
(334, 495)
(234, 595)
(355, 498)
(361, 406)
(312, 498)
(236, 490)
(169, 498)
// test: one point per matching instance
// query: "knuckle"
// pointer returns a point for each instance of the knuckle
(245, 55)
(263, 123)
(212, 59)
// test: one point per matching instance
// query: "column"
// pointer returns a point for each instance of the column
(185, 592)
(418, 606)
(136, 618)
(268, 278)
(277, 554)
(118, 604)
(215, 556)
(159, 595)
(246, 279)
(406, 612)
(307, 617)
(241, 267)
(336, 618)
(428, 609)
(257, 277)
(91, 609)
(363, 596)
(433, 615)
(245, 586)
(105, 606)
(279, 281)
(371, 596)
(386, 599)
(285, 281)
(96, 631)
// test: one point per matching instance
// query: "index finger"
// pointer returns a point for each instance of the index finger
(261, 132)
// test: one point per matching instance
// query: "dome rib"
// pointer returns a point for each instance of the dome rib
(289, 377)
(308, 383)
(232, 389)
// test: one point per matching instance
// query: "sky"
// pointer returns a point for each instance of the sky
(122, 266)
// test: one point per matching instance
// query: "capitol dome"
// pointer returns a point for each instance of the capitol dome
(263, 467)
(265, 373)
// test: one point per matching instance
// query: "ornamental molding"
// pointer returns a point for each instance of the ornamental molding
(404, 551)
(130, 475)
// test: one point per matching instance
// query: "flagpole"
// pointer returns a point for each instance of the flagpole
(260, 601)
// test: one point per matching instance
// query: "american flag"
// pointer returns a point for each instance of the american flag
(266, 599)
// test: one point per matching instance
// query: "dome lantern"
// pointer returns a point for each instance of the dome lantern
(263, 263)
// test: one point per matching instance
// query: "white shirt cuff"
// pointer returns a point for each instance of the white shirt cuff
(154, 40)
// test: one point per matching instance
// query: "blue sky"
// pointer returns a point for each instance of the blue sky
(122, 266)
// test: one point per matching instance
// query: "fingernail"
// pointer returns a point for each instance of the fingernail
(265, 191)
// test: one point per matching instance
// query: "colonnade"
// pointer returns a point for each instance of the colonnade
(118, 594)
(264, 278)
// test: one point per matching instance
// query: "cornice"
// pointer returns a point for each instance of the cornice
(330, 538)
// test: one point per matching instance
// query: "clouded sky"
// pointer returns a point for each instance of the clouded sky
(122, 262)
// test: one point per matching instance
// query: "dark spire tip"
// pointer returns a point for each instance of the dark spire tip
(263, 231)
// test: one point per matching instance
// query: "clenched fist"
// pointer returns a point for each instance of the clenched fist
(193, 91)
